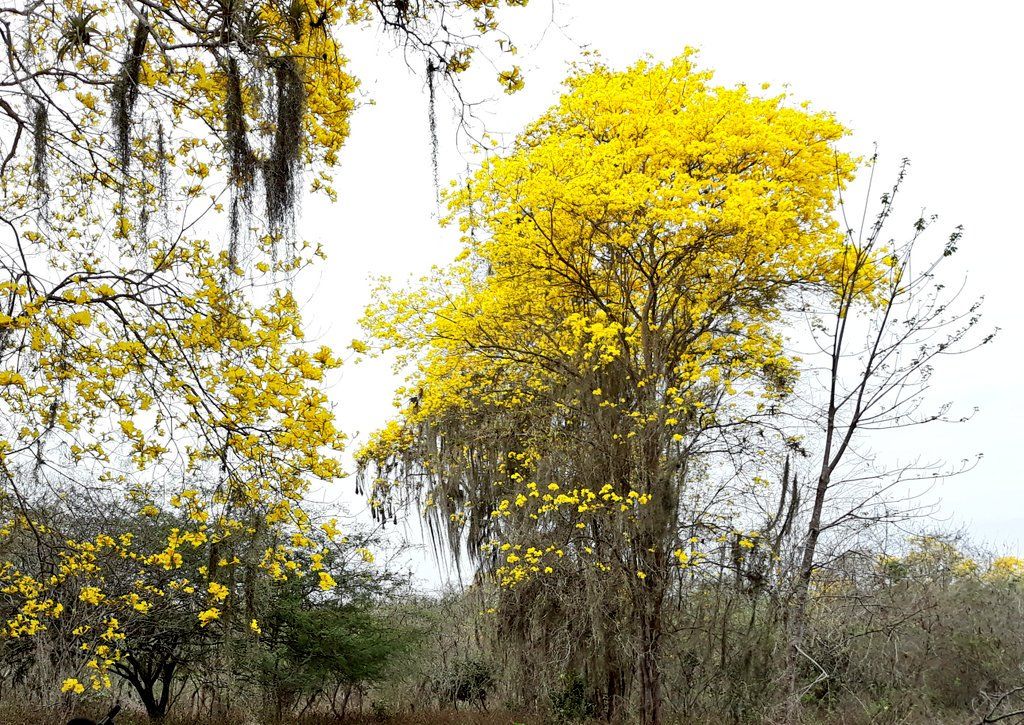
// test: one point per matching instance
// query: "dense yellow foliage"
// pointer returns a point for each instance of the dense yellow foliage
(168, 395)
(153, 373)
(617, 297)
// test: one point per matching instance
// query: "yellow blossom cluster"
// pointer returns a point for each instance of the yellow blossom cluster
(1007, 568)
(124, 377)
(582, 500)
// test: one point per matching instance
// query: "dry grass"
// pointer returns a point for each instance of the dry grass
(14, 715)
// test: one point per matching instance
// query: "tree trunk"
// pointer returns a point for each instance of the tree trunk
(156, 709)
(650, 655)
(798, 611)
(615, 683)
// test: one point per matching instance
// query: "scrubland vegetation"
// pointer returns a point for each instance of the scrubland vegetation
(924, 634)
(639, 410)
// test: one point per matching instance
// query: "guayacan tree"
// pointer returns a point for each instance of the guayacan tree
(610, 336)
(152, 358)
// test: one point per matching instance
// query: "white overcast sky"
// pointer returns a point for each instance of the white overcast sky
(937, 82)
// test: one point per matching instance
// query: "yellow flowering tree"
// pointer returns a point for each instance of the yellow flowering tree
(165, 395)
(612, 323)
(159, 602)
(1007, 568)
(152, 360)
(100, 97)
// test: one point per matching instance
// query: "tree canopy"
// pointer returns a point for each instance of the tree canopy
(152, 356)
(612, 319)
(623, 266)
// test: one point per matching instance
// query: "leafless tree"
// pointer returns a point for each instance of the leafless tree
(886, 323)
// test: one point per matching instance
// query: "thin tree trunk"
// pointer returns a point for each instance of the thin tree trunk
(650, 656)
(798, 612)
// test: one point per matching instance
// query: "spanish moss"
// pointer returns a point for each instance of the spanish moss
(163, 182)
(125, 93)
(142, 236)
(281, 167)
(241, 159)
(40, 127)
(432, 127)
